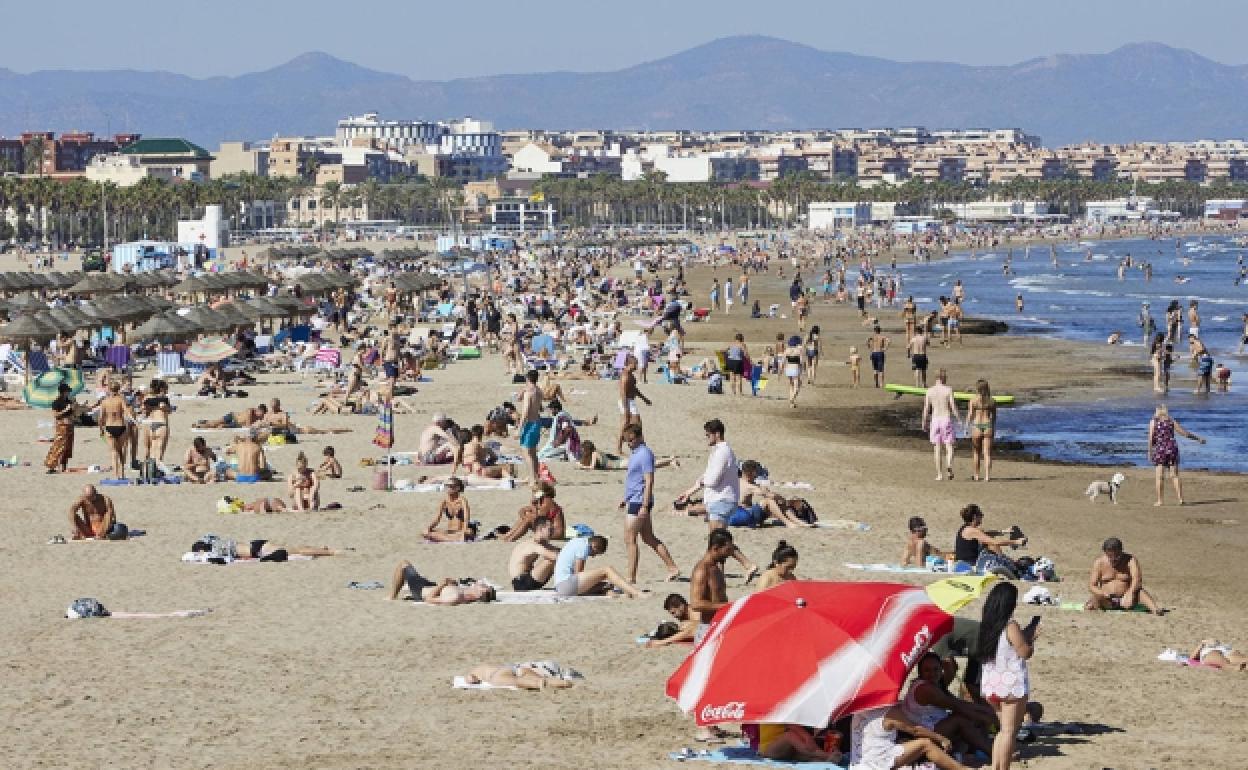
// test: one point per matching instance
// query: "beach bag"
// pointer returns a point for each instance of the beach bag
(742, 517)
(86, 608)
(802, 510)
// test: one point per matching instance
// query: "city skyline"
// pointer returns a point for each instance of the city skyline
(244, 38)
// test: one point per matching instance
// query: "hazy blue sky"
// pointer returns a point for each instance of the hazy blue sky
(440, 40)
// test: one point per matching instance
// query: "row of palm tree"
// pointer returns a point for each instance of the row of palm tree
(602, 200)
(73, 212)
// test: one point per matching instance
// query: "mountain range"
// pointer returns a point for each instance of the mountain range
(1143, 91)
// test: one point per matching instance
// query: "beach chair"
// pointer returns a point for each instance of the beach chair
(281, 338)
(264, 344)
(37, 361)
(301, 333)
(14, 367)
(170, 364)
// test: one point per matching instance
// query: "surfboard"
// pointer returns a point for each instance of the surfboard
(908, 390)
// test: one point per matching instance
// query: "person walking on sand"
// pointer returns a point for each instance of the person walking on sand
(981, 420)
(639, 503)
(794, 363)
(939, 405)
(877, 344)
(1163, 450)
(629, 393)
(916, 348)
(530, 412)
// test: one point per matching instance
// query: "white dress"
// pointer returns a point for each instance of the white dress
(921, 714)
(1006, 675)
(874, 748)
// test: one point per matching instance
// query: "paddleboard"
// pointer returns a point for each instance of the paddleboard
(908, 390)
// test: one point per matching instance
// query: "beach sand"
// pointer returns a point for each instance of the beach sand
(292, 668)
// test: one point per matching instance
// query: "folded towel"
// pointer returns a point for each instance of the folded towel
(149, 615)
(843, 524)
(895, 568)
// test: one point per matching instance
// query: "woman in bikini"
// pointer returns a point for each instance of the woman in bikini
(814, 349)
(115, 419)
(523, 676)
(155, 422)
(794, 356)
(981, 419)
(459, 526)
(782, 567)
(542, 507)
(304, 486)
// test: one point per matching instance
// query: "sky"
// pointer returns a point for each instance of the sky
(444, 40)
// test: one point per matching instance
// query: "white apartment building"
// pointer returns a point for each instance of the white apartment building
(124, 170)
(398, 134)
(837, 215)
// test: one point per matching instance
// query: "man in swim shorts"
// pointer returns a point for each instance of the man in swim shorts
(533, 561)
(939, 405)
(1116, 582)
(629, 393)
(531, 423)
(917, 350)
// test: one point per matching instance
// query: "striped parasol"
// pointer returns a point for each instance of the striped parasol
(209, 350)
(384, 437)
(42, 390)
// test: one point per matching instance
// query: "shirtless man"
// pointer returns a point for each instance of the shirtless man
(530, 413)
(252, 463)
(687, 626)
(629, 393)
(1116, 582)
(938, 404)
(917, 350)
(761, 501)
(91, 517)
(241, 419)
(877, 344)
(533, 562)
(278, 418)
(390, 345)
(910, 315)
(115, 421)
(708, 592)
(437, 445)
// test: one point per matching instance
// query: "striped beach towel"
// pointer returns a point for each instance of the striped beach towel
(384, 437)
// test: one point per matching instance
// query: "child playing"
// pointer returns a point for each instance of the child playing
(329, 467)
(855, 365)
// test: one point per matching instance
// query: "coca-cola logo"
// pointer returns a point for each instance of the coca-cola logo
(922, 639)
(733, 711)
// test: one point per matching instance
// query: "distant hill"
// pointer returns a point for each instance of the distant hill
(1139, 91)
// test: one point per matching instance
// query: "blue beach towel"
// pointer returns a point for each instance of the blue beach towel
(744, 755)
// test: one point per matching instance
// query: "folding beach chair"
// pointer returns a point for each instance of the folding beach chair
(171, 368)
(37, 361)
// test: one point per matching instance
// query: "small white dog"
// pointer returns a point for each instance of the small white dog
(1098, 488)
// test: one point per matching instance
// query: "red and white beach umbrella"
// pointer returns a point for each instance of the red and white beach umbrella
(807, 652)
(209, 350)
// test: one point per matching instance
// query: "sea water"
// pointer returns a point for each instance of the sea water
(1082, 299)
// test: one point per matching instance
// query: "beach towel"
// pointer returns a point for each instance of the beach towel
(644, 638)
(1169, 655)
(843, 524)
(530, 597)
(894, 568)
(1078, 607)
(744, 755)
(462, 683)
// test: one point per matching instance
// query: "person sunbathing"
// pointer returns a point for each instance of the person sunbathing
(329, 467)
(591, 459)
(573, 578)
(793, 743)
(267, 550)
(304, 486)
(240, 419)
(266, 505)
(1211, 652)
(478, 459)
(199, 461)
(761, 503)
(92, 517)
(917, 550)
(448, 591)
(454, 507)
(542, 507)
(686, 626)
(1116, 582)
(523, 676)
(533, 561)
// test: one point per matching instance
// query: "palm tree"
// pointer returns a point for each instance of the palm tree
(32, 155)
(331, 195)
